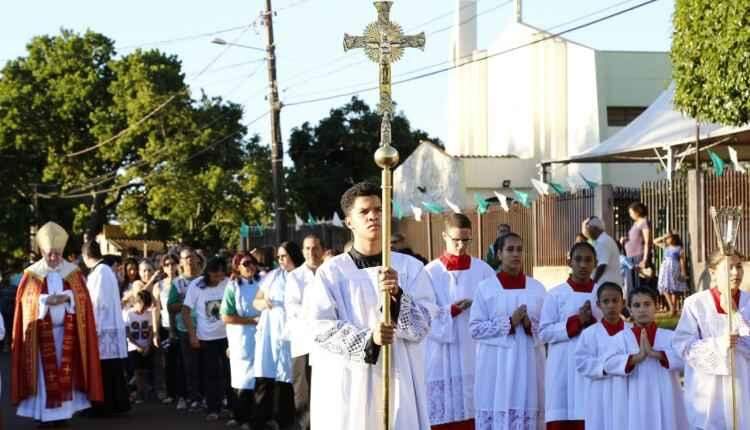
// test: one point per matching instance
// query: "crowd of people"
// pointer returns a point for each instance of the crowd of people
(297, 343)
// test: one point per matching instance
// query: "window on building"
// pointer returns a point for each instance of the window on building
(620, 116)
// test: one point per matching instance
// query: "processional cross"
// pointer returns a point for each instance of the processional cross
(384, 43)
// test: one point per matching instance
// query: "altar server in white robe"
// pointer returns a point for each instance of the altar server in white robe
(644, 354)
(566, 313)
(702, 340)
(603, 393)
(509, 387)
(450, 350)
(344, 308)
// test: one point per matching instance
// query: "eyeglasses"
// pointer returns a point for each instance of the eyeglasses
(247, 263)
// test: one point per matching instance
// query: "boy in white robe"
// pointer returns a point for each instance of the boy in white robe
(602, 391)
(450, 350)
(702, 340)
(566, 313)
(344, 307)
(644, 354)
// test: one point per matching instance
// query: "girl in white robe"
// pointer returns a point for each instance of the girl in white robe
(567, 311)
(701, 339)
(509, 385)
(645, 356)
(603, 393)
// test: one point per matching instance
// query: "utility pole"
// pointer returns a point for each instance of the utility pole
(277, 152)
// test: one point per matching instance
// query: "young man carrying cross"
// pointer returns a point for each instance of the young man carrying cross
(344, 306)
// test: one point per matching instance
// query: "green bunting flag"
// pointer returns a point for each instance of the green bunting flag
(591, 184)
(523, 198)
(559, 189)
(717, 162)
(433, 207)
(482, 204)
(311, 219)
(397, 211)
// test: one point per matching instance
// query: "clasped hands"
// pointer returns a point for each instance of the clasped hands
(384, 334)
(646, 350)
(57, 299)
(521, 316)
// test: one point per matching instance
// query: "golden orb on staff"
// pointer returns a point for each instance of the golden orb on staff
(384, 43)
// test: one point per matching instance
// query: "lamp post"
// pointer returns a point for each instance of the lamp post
(220, 41)
(726, 225)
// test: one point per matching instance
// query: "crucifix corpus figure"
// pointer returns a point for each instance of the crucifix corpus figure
(370, 310)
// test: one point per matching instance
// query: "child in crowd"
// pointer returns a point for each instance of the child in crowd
(673, 271)
(602, 411)
(139, 328)
(645, 356)
(567, 311)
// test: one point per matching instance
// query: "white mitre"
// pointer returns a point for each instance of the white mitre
(51, 237)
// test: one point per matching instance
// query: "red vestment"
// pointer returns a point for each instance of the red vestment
(79, 369)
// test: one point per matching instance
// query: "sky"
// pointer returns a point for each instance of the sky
(309, 34)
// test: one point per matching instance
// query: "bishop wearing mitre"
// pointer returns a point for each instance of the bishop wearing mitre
(55, 366)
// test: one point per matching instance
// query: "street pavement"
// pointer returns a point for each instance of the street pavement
(146, 416)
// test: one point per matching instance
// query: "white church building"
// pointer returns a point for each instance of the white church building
(528, 98)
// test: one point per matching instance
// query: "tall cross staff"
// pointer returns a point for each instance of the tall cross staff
(384, 42)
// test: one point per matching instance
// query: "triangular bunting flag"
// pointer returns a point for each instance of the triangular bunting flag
(482, 204)
(336, 221)
(433, 207)
(397, 211)
(735, 160)
(559, 189)
(503, 199)
(417, 213)
(298, 223)
(523, 198)
(454, 207)
(717, 162)
(575, 183)
(541, 188)
(591, 184)
(310, 219)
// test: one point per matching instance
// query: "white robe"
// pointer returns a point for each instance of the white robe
(655, 399)
(343, 305)
(105, 299)
(562, 382)
(604, 394)
(35, 406)
(509, 384)
(697, 339)
(450, 351)
(296, 326)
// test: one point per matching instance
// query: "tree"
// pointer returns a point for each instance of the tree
(338, 152)
(109, 136)
(711, 60)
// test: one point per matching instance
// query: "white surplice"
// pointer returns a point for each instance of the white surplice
(604, 394)
(698, 340)
(509, 384)
(344, 305)
(105, 299)
(450, 351)
(655, 399)
(297, 328)
(562, 382)
(35, 406)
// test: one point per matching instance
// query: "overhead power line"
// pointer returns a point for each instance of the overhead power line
(184, 38)
(463, 64)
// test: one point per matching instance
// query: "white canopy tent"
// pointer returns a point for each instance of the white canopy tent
(661, 131)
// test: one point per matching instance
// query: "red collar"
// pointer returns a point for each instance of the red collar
(650, 331)
(716, 294)
(510, 282)
(613, 329)
(456, 262)
(585, 287)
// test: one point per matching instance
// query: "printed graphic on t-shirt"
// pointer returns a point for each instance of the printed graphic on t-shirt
(140, 330)
(213, 310)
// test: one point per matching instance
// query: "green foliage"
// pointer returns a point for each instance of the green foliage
(338, 152)
(186, 172)
(711, 60)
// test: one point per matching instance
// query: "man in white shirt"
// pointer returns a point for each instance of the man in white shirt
(607, 252)
(301, 339)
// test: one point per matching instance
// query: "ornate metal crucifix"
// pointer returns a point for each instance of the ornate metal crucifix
(384, 43)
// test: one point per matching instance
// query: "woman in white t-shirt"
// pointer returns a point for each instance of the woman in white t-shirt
(209, 334)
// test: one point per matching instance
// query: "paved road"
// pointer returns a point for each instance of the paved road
(147, 416)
